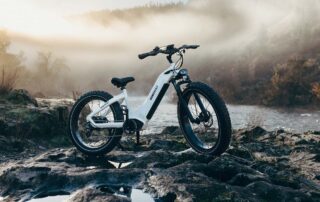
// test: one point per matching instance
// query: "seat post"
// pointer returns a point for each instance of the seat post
(124, 92)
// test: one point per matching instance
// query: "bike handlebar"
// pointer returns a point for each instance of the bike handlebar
(169, 50)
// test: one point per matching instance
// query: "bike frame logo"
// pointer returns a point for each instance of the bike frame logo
(154, 92)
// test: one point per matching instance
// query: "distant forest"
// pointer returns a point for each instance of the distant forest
(278, 71)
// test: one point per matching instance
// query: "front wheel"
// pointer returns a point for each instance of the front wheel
(211, 132)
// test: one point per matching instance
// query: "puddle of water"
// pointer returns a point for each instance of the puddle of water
(139, 155)
(59, 198)
(138, 195)
(120, 165)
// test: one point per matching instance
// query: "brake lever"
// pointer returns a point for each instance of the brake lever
(156, 48)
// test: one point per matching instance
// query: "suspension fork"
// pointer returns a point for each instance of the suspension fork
(203, 110)
(183, 101)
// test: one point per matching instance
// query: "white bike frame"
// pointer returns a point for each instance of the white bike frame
(144, 112)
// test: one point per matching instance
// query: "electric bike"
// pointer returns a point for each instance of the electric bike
(98, 120)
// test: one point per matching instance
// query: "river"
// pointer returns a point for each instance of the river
(295, 120)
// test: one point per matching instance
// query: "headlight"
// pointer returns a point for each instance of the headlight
(183, 72)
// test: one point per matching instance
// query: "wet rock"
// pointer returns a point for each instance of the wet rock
(240, 151)
(262, 168)
(249, 134)
(25, 122)
(269, 192)
(226, 167)
(243, 179)
(172, 130)
(167, 145)
(166, 175)
(35, 176)
(11, 144)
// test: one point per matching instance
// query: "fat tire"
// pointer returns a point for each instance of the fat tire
(77, 107)
(220, 108)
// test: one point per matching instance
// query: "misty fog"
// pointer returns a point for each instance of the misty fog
(98, 45)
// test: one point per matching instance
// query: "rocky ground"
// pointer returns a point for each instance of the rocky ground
(259, 165)
(29, 125)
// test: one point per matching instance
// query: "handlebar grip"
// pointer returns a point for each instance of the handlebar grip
(193, 46)
(151, 53)
(143, 56)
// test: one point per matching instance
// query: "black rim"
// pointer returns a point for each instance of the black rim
(83, 132)
(206, 135)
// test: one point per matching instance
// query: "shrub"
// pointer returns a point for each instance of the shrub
(316, 90)
(295, 82)
(8, 79)
(10, 65)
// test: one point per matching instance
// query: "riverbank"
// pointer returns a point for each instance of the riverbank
(38, 161)
(259, 165)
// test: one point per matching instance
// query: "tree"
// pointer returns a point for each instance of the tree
(10, 65)
(4, 41)
(49, 65)
(51, 73)
(293, 83)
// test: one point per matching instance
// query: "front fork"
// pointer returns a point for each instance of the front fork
(185, 105)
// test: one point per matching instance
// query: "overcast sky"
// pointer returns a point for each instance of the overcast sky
(75, 6)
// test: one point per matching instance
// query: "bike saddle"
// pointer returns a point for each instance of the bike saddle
(121, 82)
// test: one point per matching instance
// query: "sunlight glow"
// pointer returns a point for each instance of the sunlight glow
(27, 19)
(43, 19)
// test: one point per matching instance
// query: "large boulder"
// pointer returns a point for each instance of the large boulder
(24, 123)
(21, 97)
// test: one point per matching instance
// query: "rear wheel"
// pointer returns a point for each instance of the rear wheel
(212, 133)
(86, 138)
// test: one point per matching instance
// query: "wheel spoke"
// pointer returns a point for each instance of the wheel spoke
(89, 136)
(206, 133)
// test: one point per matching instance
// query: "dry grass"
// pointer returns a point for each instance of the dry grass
(8, 79)
(254, 119)
(304, 161)
(316, 90)
(76, 95)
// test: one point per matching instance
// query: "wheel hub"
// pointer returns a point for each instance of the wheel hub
(206, 119)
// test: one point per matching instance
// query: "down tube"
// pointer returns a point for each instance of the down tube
(157, 101)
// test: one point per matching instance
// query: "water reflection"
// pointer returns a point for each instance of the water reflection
(60, 198)
(136, 195)
(91, 162)
(120, 164)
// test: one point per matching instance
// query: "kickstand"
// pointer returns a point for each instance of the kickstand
(138, 137)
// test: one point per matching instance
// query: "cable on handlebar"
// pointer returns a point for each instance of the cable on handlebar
(168, 50)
